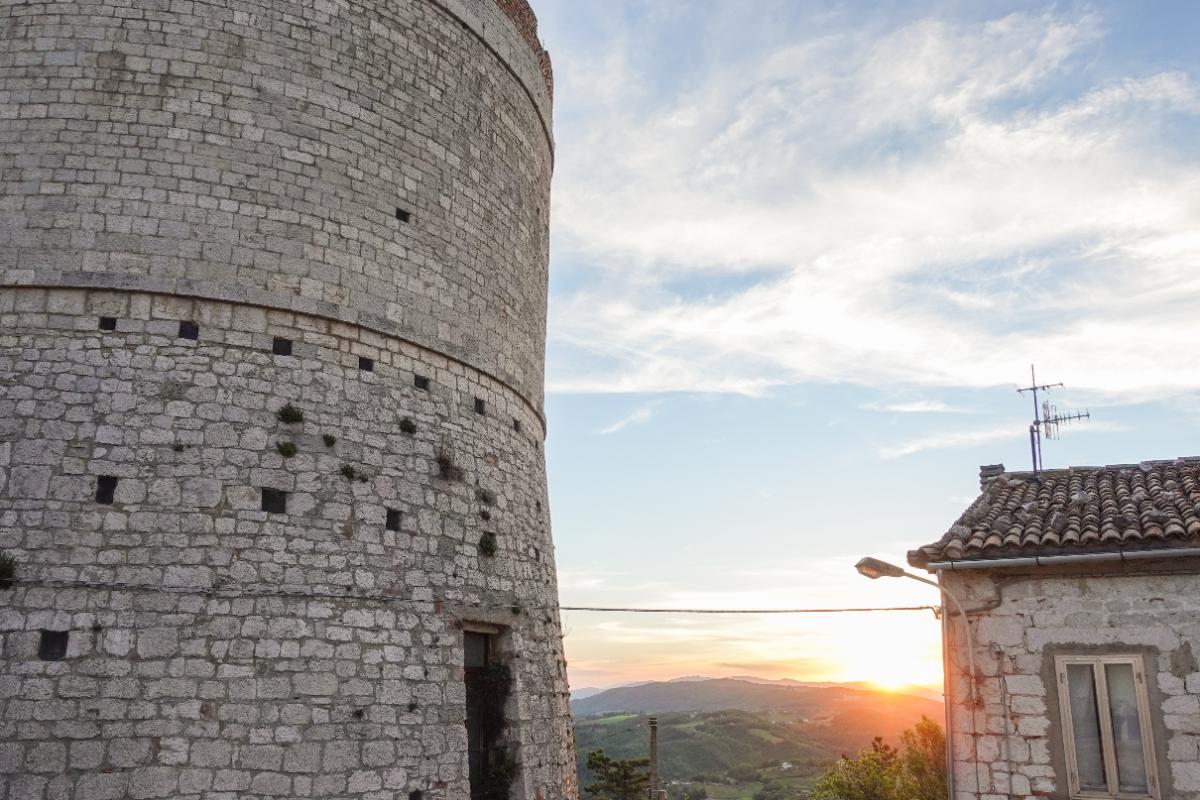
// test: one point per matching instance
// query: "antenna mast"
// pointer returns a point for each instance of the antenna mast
(1045, 418)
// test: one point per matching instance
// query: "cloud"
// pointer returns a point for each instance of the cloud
(940, 441)
(933, 203)
(635, 417)
(965, 438)
(915, 407)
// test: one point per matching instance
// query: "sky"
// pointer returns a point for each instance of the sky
(802, 255)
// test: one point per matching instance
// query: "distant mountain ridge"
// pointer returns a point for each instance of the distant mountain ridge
(700, 694)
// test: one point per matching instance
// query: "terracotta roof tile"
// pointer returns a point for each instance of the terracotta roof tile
(1082, 509)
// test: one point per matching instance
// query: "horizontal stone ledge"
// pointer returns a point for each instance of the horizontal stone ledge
(242, 295)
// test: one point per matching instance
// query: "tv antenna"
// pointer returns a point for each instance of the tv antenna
(1046, 418)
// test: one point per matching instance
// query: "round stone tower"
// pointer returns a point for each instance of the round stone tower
(272, 324)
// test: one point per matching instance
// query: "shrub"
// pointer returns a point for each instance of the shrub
(290, 415)
(408, 426)
(286, 449)
(329, 439)
(487, 544)
(486, 496)
(447, 469)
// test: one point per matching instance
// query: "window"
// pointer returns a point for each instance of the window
(52, 646)
(189, 330)
(421, 382)
(393, 519)
(480, 406)
(108, 323)
(403, 215)
(1106, 726)
(106, 488)
(366, 364)
(281, 346)
(516, 425)
(274, 501)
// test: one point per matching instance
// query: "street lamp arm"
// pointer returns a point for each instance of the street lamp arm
(966, 624)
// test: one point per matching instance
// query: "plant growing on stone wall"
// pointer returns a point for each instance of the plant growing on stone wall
(351, 474)
(487, 544)
(329, 439)
(408, 426)
(447, 469)
(290, 415)
(501, 772)
(8, 570)
(286, 449)
(486, 496)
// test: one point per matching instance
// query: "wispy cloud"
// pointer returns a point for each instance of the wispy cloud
(916, 407)
(635, 417)
(940, 441)
(928, 204)
(975, 436)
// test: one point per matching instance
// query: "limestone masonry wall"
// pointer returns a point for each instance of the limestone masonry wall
(266, 147)
(212, 212)
(1021, 622)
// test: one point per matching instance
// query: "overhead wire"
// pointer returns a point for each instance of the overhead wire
(236, 590)
(850, 610)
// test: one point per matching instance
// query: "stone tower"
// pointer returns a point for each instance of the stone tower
(272, 320)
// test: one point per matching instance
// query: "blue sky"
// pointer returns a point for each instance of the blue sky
(801, 256)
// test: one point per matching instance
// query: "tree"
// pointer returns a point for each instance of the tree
(870, 776)
(627, 779)
(915, 772)
(924, 761)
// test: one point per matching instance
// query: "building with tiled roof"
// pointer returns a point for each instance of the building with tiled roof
(1077, 673)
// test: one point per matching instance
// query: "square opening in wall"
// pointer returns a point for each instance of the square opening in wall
(108, 323)
(281, 346)
(52, 646)
(189, 330)
(516, 425)
(421, 382)
(274, 501)
(366, 364)
(393, 519)
(106, 487)
(403, 215)
(480, 406)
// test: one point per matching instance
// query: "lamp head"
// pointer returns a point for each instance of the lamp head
(874, 568)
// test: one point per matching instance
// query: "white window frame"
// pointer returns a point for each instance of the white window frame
(1098, 662)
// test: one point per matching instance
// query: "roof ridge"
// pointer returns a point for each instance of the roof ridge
(1160, 462)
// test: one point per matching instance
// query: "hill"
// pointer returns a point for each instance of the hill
(732, 734)
(721, 694)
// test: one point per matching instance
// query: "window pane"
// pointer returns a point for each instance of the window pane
(1127, 728)
(475, 649)
(1085, 726)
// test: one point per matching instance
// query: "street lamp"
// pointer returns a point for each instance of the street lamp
(874, 568)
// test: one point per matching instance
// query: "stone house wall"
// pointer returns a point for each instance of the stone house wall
(1022, 619)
